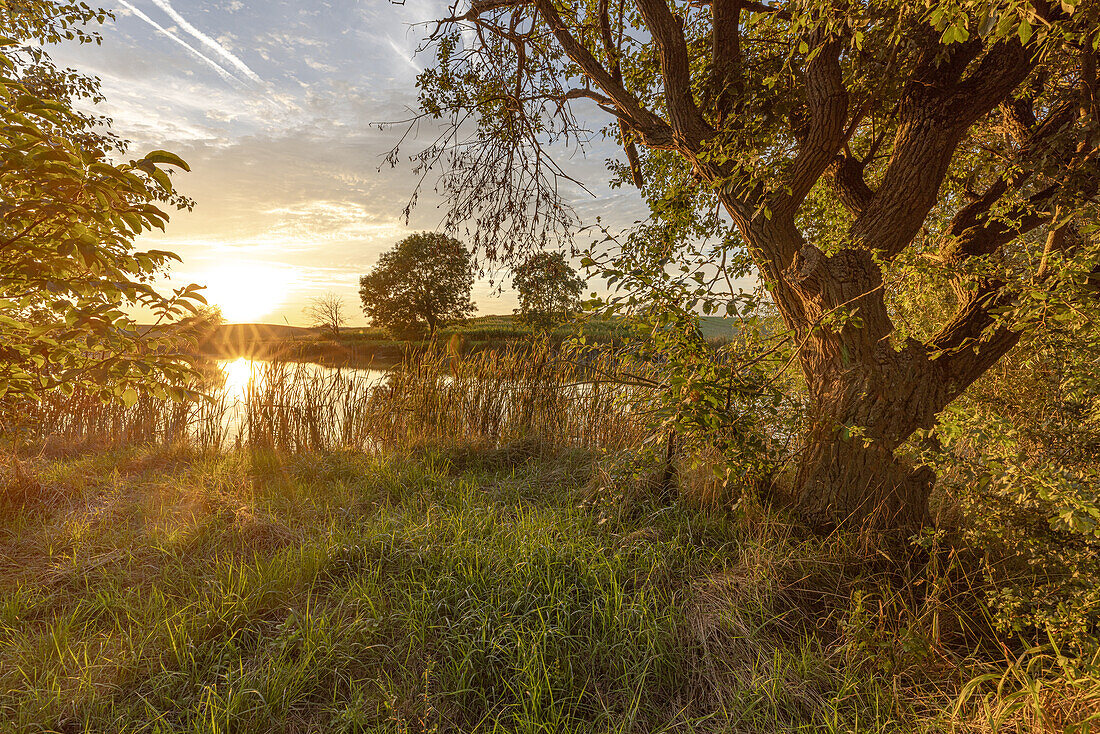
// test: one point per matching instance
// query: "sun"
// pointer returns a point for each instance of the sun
(246, 292)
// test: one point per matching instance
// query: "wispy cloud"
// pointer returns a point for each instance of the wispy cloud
(206, 40)
(215, 65)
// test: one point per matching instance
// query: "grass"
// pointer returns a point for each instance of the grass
(180, 590)
(478, 544)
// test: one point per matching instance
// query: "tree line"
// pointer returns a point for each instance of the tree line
(425, 282)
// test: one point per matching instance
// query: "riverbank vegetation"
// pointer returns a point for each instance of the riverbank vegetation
(492, 542)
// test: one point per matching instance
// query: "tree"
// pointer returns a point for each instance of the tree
(954, 143)
(327, 312)
(424, 280)
(69, 271)
(548, 287)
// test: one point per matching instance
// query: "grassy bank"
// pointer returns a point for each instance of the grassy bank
(175, 590)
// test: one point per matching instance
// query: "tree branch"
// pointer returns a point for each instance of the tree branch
(726, 83)
(654, 131)
(972, 341)
(667, 30)
(846, 174)
(823, 135)
(937, 108)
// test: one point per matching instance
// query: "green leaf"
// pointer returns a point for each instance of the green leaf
(164, 157)
(1024, 31)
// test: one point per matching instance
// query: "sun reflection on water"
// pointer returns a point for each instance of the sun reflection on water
(239, 373)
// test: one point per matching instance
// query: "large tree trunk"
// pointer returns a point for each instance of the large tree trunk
(848, 471)
(843, 481)
(867, 395)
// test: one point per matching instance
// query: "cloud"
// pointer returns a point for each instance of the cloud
(206, 40)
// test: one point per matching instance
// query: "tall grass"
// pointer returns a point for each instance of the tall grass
(486, 399)
(82, 420)
(180, 591)
(495, 398)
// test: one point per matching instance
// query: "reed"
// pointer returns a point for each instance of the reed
(436, 397)
(488, 399)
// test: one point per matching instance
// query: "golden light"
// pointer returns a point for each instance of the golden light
(246, 291)
(238, 374)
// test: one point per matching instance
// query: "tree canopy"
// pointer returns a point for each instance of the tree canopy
(424, 281)
(69, 272)
(873, 161)
(548, 288)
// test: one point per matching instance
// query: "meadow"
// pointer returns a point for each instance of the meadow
(475, 544)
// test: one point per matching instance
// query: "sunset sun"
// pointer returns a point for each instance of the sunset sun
(245, 291)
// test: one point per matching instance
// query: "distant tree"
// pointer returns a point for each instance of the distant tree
(425, 280)
(549, 289)
(328, 312)
(72, 207)
(203, 324)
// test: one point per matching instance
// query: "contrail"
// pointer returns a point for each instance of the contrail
(217, 67)
(206, 40)
(403, 54)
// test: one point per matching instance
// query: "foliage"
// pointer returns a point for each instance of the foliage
(1020, 483)
(728, 399)
(1037, 524)
(548, 288)
(68, 268)
(424, 280)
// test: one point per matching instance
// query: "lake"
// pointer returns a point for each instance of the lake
(243, 372)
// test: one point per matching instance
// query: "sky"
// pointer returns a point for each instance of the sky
(272, 104)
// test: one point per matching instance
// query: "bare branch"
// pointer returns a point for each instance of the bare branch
(652, 129)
